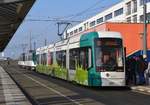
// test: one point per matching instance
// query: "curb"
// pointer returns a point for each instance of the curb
(143, 89)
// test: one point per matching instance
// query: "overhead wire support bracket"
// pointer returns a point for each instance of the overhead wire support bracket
(65, 28)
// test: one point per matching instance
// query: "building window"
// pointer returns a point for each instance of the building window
(129, 19)
(71, 33)
(100, 20)
(142, 17)
(80, 29)
(135, 18)
(92, 24)
(109, 16)
(142, 1)
(75, 31)
(128, 8)
(148, 16)
(118, 12)
(134, 6)
(86, 26)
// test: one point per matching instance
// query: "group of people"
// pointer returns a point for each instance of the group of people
(137, 71)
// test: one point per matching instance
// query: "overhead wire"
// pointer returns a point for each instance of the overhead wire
(71, 16)
(93, 10)
(87, 10)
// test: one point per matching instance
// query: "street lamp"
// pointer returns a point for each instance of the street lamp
(141, 39)
(145, 30)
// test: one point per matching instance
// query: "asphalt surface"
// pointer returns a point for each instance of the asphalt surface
(45, 90)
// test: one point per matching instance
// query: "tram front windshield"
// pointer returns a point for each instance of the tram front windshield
(109, 54)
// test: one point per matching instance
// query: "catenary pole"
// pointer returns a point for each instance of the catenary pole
(145, 30)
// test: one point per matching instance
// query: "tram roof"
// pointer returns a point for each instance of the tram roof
(12, 13)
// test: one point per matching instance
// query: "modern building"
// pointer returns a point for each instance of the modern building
(125, 17)
(130, 11)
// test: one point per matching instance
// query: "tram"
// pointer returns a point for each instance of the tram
(91, 59)
(28, 60)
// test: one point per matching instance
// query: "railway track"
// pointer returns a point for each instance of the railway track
(45, 90)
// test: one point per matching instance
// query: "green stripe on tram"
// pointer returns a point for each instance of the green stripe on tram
(87, 40)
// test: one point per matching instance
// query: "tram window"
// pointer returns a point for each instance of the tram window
(23, 56)
(41, 58)
(50, 58)
(51, 55)
(38, 59)
(29, 57)
(34, 57)
(44, 59)
(64, 59)
(80, 57)
(61, 58)
(73, 58)
(109, 55)
(58, 58)
(84, 58)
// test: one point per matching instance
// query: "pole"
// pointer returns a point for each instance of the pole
(145, 30)
(45, 42)
(34, 45)
(30, 42)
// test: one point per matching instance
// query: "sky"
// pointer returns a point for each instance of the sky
(71, 10)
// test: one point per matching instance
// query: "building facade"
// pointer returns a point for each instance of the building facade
(125, 17)
(130, 11)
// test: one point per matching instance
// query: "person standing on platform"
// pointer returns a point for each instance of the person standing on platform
(133, 70)
(128, 71)
(147, 75)
(141, 69)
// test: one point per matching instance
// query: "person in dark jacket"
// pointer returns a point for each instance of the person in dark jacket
(147, 75)
(141, 68)
(128, 73)
(133, 70)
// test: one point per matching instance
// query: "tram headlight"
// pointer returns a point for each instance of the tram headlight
(107, 75)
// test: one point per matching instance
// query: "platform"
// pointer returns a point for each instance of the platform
(10, 94)
(143, 89)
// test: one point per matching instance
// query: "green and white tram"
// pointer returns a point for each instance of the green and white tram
(91, 59)
(28, 60)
